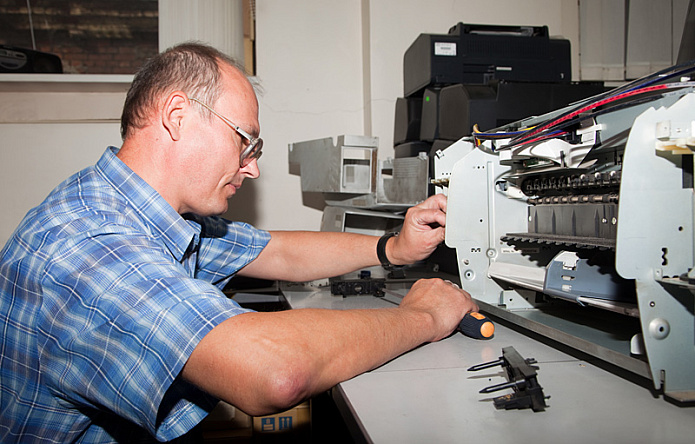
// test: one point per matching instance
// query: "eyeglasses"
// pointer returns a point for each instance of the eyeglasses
(254, 144)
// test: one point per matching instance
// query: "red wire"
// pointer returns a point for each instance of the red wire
(592, 106)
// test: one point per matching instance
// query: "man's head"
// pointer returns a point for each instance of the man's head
(190, 118)
(189, 67)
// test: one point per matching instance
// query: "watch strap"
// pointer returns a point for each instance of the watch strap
(381, 250)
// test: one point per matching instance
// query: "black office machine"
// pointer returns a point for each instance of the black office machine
(483, 75)
(479, 54)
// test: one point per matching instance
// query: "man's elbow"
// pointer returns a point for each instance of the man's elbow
(283, 390)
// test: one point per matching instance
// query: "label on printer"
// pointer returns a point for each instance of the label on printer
(444, 48)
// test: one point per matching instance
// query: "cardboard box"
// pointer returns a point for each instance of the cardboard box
(227, 424)
(294, 424)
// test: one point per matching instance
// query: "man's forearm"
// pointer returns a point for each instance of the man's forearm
(303, 256)
(294, 354)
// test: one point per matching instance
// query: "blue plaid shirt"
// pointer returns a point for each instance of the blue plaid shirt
(105, 292)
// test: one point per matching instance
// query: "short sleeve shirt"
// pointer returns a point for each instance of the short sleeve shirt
(105, 292)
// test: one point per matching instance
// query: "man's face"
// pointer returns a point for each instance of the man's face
(215, 172)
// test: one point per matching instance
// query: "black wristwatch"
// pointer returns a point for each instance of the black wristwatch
(397, 271)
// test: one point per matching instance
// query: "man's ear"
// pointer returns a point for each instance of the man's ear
(174, 111)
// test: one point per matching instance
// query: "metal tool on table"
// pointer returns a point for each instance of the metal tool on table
(522, 379)
(365, 284)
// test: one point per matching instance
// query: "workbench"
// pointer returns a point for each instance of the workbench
(428, 394)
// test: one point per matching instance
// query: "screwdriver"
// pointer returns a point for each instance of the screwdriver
(473, 324)
(476, 326)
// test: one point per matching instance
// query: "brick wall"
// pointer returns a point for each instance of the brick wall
(90, 36)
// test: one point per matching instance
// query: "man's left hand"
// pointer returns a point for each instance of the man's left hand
(422, 232)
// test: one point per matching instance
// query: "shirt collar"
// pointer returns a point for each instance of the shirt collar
(164, 222)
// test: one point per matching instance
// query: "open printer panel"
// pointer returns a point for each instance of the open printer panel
(578, 225)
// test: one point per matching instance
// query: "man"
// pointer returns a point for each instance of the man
(114, 324)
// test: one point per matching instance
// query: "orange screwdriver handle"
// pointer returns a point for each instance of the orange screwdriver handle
(477, 326)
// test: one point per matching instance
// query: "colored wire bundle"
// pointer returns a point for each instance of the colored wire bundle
(646, 88)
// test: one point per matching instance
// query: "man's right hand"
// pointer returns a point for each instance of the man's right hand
(443, 300)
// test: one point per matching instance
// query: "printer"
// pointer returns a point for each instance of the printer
(578, 225)
(478, 54)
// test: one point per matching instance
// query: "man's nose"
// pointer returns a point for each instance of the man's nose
(251, 169)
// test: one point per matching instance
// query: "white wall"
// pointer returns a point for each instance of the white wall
(328, 67)
(315, 71)
(310, 68)
(51, 128)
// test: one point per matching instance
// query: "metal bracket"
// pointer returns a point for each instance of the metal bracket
(522, 379)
